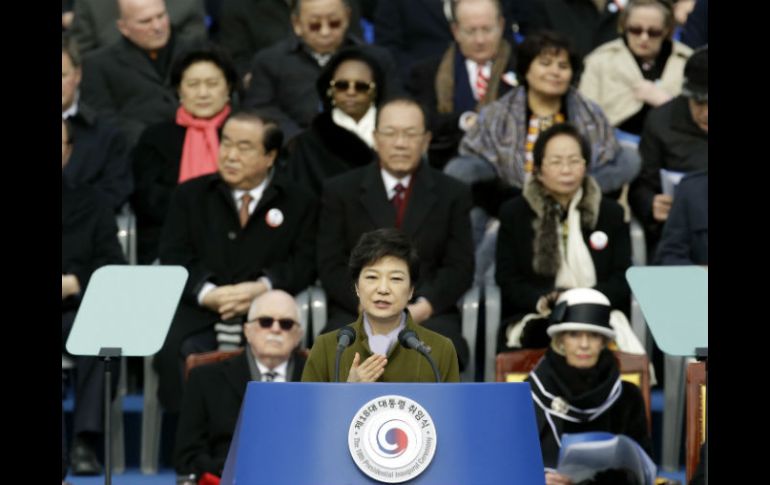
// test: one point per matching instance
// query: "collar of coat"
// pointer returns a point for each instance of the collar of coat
(445, 78)
(546, 258)
(535, 195)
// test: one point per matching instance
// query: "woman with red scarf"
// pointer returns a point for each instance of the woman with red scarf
(186, 147)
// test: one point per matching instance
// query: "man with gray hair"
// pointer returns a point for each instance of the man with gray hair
(214, 393)
(129, 79)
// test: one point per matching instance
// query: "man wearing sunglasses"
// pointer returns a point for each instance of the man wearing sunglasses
(213, 394)
(475, 70)
(674, 138)
(283, 77)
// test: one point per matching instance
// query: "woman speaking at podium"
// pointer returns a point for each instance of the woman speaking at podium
(384, 267)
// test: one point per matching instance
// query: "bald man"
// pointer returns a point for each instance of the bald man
(128, 81)
(213, 395)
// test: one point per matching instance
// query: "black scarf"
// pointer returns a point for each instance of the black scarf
(583, 389)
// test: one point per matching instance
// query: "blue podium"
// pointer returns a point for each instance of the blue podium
(310, 433)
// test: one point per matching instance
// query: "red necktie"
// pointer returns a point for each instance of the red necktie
(243, 214)
(399, 201)
(481, 82)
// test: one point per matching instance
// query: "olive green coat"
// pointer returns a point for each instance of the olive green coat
(404, 365)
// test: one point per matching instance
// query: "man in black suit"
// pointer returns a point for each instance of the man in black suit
(214, 393)
(283, 76)
(476, 69)
(100, 156)
(89, 241)
(239, 233)
(129, 80)
(430, 207)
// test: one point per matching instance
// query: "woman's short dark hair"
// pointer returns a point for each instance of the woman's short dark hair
(541, 42)
(208, 53)
(352, 53)
(374, 245)
(538, 152)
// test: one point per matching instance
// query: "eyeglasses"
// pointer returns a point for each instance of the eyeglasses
(267, 322)
(652, 33)
(392, 135)
(332, 24)
(560, 163)
(342, 85)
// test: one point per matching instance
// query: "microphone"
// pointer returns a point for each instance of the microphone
(409, 339)
(345, 337)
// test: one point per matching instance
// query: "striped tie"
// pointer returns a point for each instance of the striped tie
(481, 82)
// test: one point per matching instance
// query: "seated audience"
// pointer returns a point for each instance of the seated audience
(675, 138)
(385, 268)
(474, 71)
(560, 234)
(128, 79)
(185, 146)
(283, 76)
(400, 191)
(239, 233)
(497, 150)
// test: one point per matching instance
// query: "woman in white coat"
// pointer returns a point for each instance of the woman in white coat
(640, 70)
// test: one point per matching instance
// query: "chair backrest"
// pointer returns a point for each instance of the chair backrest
(194, 360)
(515, 367)
(696, 414)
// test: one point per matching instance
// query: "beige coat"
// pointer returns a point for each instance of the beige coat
(611, 73)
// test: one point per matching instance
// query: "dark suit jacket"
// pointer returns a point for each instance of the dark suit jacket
(685, 237)
(88, 238)
(248, 26)
(99, 157)
(156, 159)
(521, 287)
(121, 82)
(670, 140)
(94, 23)
(444, 127)
(210, 407)
(203, 234)
(283, 79)
(436, 219)
(579, 20)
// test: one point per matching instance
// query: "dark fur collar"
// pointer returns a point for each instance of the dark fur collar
(535, 195)
(546, 258)
(341, 142)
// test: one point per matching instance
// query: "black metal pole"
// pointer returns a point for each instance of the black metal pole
(108, 355)
(107, 422)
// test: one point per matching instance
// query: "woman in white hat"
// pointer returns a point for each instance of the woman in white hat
(576, 387)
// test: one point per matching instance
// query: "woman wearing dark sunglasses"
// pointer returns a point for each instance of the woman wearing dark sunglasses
(384, 268)
(641, 70)
(342, 135)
